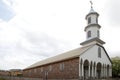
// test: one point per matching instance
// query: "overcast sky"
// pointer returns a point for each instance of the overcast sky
(32, 30)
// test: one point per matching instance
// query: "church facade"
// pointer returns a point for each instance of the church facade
(89, 62)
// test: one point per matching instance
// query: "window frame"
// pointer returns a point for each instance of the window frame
(97, 20)
(89, 34)
(61, 66)
(89, 20)
(98, 33)
(41, 69)
(50, 68)
(99, 52)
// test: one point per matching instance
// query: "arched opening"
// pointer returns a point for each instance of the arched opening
(81, 70)
(105, 67)
(98, 70)
(108, 70)
(91, 69)
(86, 70)
(103, 71)
(94, 70)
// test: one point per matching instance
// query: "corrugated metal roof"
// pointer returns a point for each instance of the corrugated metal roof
(67, 55)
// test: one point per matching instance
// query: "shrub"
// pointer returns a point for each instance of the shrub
(2, 79)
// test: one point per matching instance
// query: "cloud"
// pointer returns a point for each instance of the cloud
(114, 12)
(38, 31)
(6, 11)
(20, 48)
(9, 2)
(45, 45)
(114, 54)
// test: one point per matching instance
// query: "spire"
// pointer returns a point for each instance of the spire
(93, 28)
(91, 10)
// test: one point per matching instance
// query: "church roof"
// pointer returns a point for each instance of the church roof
(91, 12)
(93, 39)
(67, 55)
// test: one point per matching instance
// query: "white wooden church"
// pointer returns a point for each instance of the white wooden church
(91, 61)
(95, 61)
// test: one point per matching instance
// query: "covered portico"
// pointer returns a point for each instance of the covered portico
(89, 70)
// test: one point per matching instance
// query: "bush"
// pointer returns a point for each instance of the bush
(2, 79)
(116, 67)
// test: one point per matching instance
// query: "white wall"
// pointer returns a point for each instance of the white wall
(93, 18)
(93, 30)
(92, 55)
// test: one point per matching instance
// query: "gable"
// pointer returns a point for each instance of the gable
(105, 52)
(92, 55)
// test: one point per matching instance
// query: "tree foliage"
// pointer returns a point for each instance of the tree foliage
(116, 67)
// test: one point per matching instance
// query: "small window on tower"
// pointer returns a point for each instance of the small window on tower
(89, 20)
(99, 52)
(96, 20)
(98, 33)
(89, 34)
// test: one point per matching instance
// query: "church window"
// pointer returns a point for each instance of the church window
(50, 68)
(30, 71)
(61, 66)
(89, 34)
(35, 70)
(89, 20)
(41, 69)
(99, 52)
(98, 33)
(96, 20)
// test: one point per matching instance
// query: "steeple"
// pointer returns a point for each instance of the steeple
(93, 28)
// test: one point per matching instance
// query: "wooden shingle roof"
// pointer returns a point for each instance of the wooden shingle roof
(64, 56)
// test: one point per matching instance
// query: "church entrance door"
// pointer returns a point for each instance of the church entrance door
(86, 70)
(98, 70)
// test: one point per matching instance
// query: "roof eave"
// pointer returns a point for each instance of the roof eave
(92, 25)
(91, 40)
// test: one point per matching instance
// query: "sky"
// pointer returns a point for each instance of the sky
(33, 30)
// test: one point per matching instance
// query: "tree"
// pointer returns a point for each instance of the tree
(116, 67)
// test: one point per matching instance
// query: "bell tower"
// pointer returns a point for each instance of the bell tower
(93, 28)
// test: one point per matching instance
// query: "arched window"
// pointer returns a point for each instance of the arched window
(96, 20)
(98, 33)
(99, 52)
(89, 20)
(89, 34)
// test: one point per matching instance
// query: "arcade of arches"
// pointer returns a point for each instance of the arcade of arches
(93, 70)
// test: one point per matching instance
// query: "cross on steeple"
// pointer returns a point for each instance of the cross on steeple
(91, 4)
